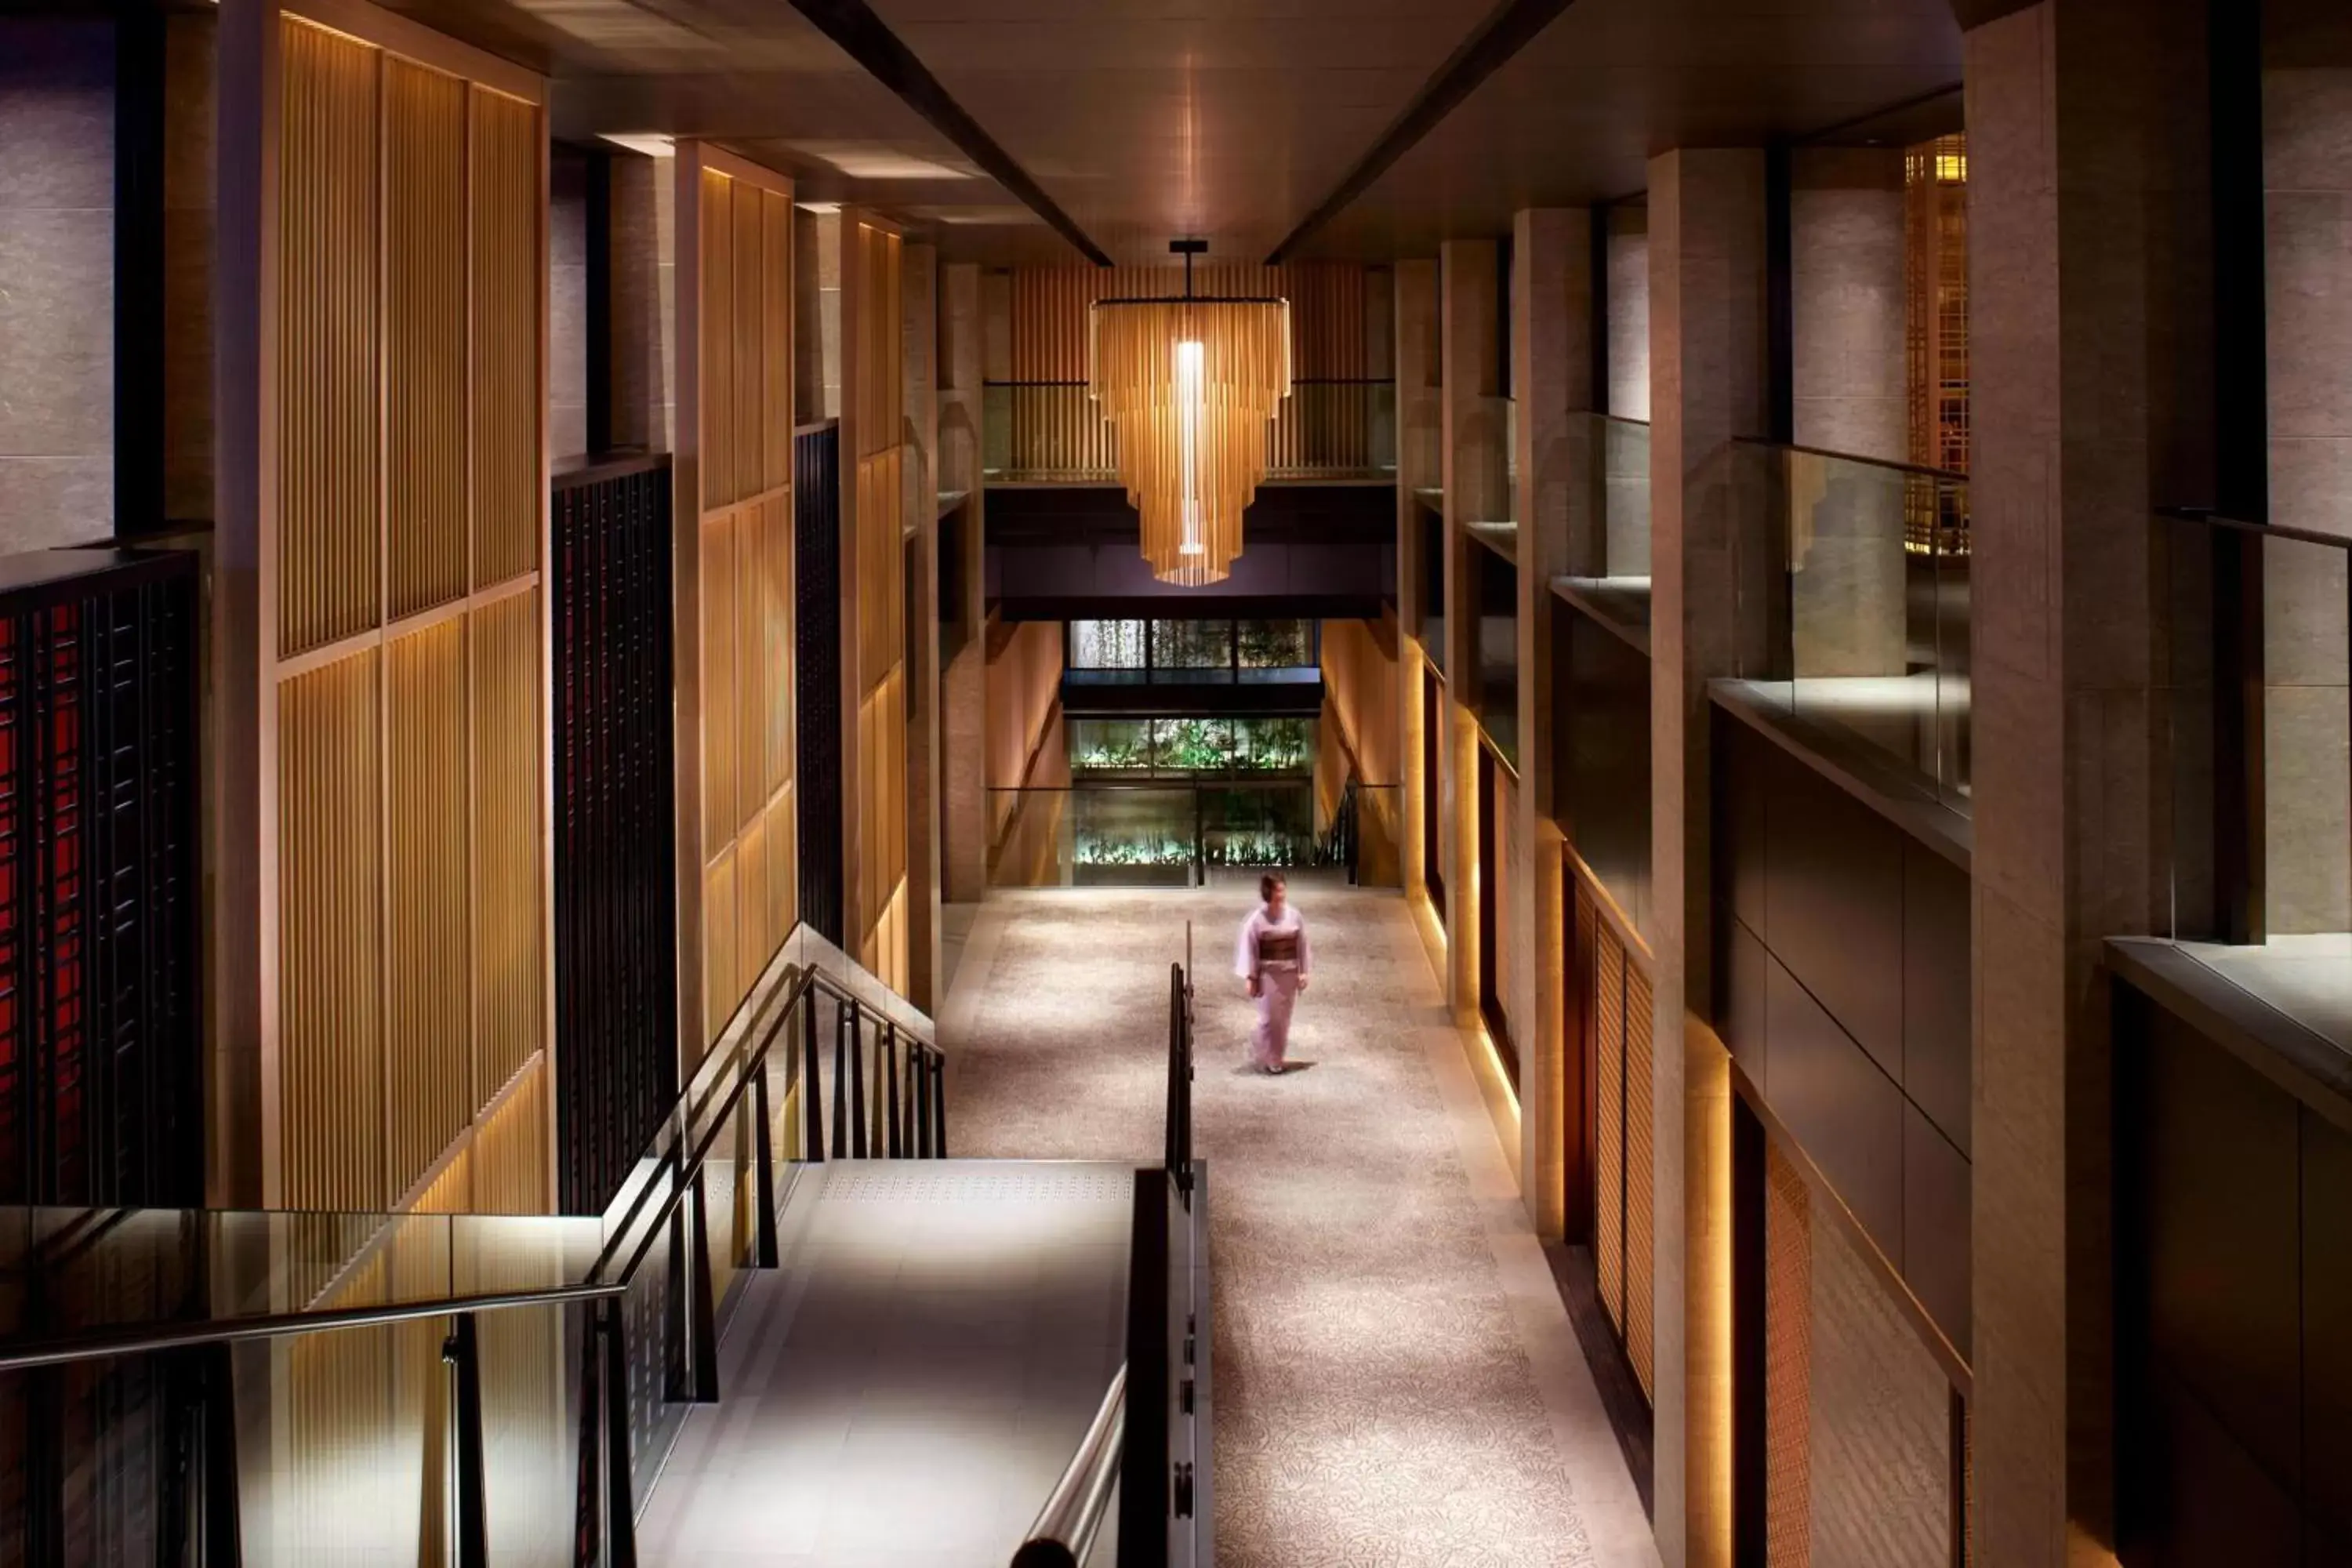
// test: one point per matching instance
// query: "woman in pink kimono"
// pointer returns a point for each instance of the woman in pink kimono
(1272, 957)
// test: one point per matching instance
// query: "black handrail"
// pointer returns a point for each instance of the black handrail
(1179, 1143)
(681, 1216)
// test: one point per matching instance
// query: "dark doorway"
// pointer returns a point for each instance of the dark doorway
(1491, 902)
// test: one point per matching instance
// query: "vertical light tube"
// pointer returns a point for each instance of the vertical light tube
(1189, 413)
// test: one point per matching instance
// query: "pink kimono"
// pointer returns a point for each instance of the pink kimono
(1275, 953)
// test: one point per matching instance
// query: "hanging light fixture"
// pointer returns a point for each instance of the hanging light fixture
(1189, 386)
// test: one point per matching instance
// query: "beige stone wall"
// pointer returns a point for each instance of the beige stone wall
(1847, 283)
(2307, 177)
(1629, 313)
(57, 293)
(567, 303)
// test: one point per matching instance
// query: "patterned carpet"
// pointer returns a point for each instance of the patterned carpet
(1375, 1406)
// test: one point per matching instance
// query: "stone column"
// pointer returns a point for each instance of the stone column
(1847, 283)
(2091, 356)
(1551, 375)
(918, 302)
(1628, 392)
(1419, 421)
(1471, 450)
(1708, 380)
(57, 305)
(1847, 289)
(963, 686)
(644, 302)
(2307, 179)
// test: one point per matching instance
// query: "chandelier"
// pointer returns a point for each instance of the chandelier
(1189, 387)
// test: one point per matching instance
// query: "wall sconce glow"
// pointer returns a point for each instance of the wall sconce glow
(1189, 387)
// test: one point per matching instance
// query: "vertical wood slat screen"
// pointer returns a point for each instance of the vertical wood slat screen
(426, 1011)
(509, 927)
(424, 335)
(1617, 1009)
(410, 790)
(1608, 1054)
(745, 561)
(880, 924)
(330, 890)
(1640, 1207)
(1788, 1364)
(330, 454)
(508, 147)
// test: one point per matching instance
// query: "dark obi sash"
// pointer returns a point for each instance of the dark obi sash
(1278, 947)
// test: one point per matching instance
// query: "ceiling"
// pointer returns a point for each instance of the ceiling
(1229, 119)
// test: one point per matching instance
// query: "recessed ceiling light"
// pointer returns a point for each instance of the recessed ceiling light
(649, 144)
(877, 160)
(818, 206)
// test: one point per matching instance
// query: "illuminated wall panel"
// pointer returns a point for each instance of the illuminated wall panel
(510, 315)
(329, 346)
(877, 885)
(424, 335)
(330, 898)
(426, 1011)
(510, 912)
(409, 706)
(742, 548)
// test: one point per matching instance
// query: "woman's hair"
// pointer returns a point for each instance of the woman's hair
(1268, 884)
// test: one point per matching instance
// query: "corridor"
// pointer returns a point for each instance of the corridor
(1396, 1381)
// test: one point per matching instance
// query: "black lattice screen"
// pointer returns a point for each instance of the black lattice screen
(816, 500)
(615, 879)
(102, 1081)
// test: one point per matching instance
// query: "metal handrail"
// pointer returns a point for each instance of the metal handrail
(97, 1344)
(2257, 530)
(1065, 1529)
(1944, 475)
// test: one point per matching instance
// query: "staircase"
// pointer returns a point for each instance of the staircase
(202, 1388)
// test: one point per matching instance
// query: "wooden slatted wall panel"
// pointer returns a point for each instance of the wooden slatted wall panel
(717, 334)
(880, 920)
(331, 895)
(746, 601)
(509, 1157)
(776, 342)
(427, 1013)
(328, 577)
(509, 495)
(754, 680)
(1641, 1211)
(747, 344)
(1788, 1364)
(509, 916)
(720, 734)
(425, 336)
(1609, 1141)
(719, 968)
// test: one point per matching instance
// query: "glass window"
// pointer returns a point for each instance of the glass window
(1110, 745)
(1193, 644)
(1276, 645)
(1106, 645)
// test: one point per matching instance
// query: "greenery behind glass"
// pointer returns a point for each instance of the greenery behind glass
(1196, 745)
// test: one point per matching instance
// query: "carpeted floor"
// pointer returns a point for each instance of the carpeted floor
(1376, 1402)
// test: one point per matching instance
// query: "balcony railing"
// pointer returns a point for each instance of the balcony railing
(1854, 591)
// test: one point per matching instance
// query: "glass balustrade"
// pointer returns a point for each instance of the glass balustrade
(1853, 586)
